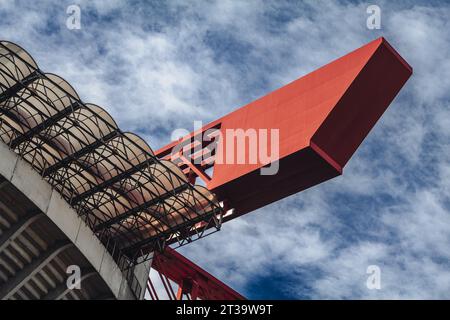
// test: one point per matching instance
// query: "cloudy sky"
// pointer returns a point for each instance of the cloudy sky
(158, 66)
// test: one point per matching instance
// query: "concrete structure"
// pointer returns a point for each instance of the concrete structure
(76, 190)
(41, 236)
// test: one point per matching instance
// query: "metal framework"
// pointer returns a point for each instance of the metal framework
(192, 281)
(138, 201)
(134, 202)
(321, 119)
(195, 153)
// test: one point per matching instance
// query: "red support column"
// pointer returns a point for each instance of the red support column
(192, 281)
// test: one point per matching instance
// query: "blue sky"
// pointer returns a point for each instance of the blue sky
(158, 66)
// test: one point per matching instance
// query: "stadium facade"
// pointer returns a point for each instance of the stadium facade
(77, 190)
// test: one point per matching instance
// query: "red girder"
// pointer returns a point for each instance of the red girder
(322, 119)
(190, 278)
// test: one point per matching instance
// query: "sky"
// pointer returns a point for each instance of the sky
(158, 66)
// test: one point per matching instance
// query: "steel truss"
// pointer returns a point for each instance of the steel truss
(133, 201)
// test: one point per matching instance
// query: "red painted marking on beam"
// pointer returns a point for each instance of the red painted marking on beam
(326, 157)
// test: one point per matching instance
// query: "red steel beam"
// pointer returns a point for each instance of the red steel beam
(322, 119)
(191, 279)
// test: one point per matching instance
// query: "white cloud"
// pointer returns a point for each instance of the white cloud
(156, 69)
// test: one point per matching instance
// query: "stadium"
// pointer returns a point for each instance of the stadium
(79, 191)
(317, 166)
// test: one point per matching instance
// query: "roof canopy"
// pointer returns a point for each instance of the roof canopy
(133, 201)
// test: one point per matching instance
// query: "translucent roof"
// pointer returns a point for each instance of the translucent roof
(131, 199)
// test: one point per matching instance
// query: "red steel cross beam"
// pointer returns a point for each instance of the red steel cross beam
(193, 282)
(320, 119)
(319, 122)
